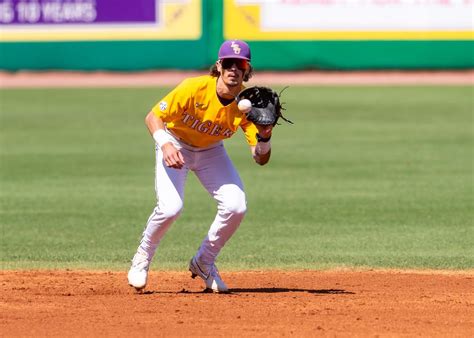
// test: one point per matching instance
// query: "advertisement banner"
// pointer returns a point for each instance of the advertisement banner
(89, 20)
(64, 12)
(348, 19)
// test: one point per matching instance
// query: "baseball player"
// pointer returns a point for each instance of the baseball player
(188, 126)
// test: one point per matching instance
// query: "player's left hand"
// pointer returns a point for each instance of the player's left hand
(265, 107)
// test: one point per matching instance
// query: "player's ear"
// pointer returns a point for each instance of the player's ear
(219, 66)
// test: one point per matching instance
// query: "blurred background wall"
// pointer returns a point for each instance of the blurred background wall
(126, 35)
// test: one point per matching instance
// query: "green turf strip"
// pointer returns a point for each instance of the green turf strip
(366, 177)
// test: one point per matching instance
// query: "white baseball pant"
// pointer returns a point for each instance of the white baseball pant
(218, 175)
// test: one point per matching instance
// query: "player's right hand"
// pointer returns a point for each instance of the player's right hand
(172, 156)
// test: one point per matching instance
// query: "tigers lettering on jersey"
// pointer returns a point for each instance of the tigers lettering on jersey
(205, 127)
(193, 112)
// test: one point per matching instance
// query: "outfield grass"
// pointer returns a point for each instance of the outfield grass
(366, 177)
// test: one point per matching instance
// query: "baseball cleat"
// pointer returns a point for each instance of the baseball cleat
(209, 274)
(138, 273)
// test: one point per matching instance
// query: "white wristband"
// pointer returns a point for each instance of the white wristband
(161, 137)
(262, 147)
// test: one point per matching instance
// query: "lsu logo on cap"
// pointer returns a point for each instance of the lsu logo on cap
(235, 47)
(163, 105)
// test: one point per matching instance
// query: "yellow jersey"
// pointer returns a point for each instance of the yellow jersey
(192, 112)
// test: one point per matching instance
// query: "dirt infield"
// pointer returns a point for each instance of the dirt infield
(272, 303)
(171, 78)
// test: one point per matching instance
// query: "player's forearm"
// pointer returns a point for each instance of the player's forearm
(153, 123)
(260, 157)
(263, 158)
(156, 127)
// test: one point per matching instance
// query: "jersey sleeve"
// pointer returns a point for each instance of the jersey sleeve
(174, 103)
(250, 131)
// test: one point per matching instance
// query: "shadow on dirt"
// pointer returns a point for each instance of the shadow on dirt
(278, 290)
(258, 290)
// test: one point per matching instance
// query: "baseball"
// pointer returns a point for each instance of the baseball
(244, 105)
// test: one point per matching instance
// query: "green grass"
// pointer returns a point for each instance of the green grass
(366, 177)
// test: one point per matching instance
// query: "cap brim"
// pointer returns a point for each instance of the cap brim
(234, 57)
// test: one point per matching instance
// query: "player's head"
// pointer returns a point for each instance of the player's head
(233, 56)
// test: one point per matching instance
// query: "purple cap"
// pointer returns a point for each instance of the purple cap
(236, 49)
